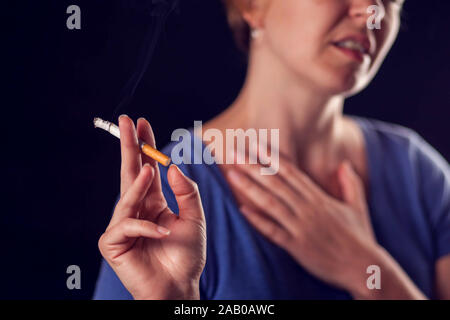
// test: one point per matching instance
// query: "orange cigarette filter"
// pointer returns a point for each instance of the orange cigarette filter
(146, 149)
(155, 154)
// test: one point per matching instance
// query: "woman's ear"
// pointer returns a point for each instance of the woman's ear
(253, 11)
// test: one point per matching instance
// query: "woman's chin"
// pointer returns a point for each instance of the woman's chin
(339, 81)
(341, 86)
(347, 84)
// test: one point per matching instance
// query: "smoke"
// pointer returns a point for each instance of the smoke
(159, 10)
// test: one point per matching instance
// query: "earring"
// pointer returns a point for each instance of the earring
(256, 33)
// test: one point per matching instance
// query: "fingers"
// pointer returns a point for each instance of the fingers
(352, 187)
(263, 199)
(267, 227)
(130, 153)
(186, 193)
(145, 133)
(127, 229)
(274, 184)
(129, 204)
(299, 180)
(295, 178)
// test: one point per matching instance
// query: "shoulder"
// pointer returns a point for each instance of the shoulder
(392, 140)
(389, 134)
(400, 154)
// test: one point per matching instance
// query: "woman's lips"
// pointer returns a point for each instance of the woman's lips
(353, 54)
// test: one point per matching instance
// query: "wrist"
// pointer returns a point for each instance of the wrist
(355, 272)
(188, 290)
(358, 284)
(394, 283)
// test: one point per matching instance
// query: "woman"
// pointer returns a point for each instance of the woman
(351, 196)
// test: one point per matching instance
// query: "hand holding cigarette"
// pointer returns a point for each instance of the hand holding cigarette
(155, 253)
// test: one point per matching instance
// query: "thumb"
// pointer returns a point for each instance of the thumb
(186, 193)
(352, 188)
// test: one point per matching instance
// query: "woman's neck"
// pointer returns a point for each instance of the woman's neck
(311, 125)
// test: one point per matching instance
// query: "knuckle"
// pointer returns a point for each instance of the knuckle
(195, 188)
(271, 202)
(190, 195)
(246, 183)
(299, 237)
(126, 225)
(142, 224)
(281, 209)
(316, 199)
(328, 204)
(276, 233)
(276, 183)
(123, 203)
(271, 230)
(101, 242)
(279, 235)
(296, 233)
(131, 142)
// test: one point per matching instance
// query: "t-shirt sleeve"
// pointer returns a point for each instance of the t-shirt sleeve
(108, 285)
(434, 172)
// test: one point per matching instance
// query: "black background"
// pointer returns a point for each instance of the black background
(61, 176)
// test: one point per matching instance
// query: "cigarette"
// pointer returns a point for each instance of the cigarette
(146, 149)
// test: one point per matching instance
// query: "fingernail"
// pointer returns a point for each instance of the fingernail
(178, 169)
(146, 165)
(163, 230)
(122, 116)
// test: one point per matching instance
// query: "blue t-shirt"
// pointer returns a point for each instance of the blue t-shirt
(409, 202)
